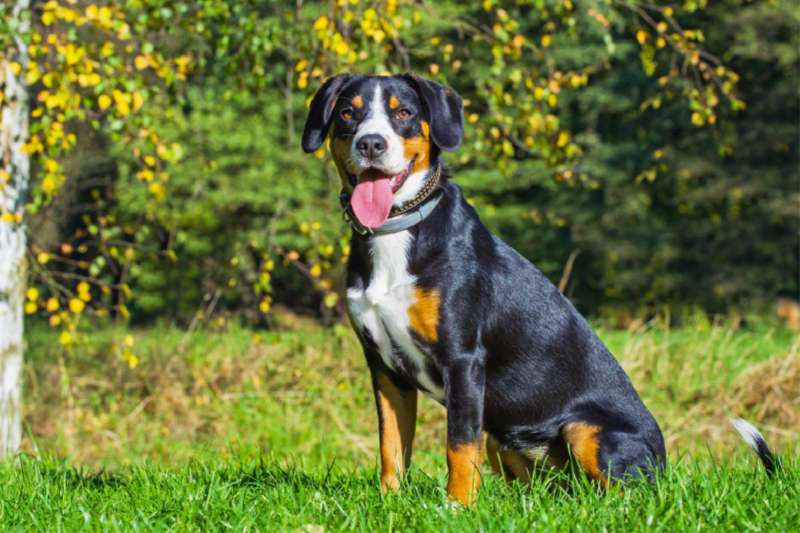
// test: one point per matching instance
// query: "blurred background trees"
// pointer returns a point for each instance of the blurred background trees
(656, 144)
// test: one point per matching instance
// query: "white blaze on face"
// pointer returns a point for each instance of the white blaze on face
(392, 161)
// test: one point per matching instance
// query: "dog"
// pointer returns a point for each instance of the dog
(442, 306)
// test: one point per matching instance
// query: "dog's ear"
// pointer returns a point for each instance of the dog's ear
(319, 115)
(445, 110)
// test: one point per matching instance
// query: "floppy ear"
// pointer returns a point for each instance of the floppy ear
(445, 111)
(319, 115)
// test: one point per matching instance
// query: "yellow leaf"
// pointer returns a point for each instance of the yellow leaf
(55, 320)
(49, 183)
(342, 47)
(302, 83)
(379, 35)
(138, 101)
(85, 296)
(52, 166)
(552, 100)
(133, 361)
(52, 305)
(316, 270)
(150, 160)
(320, 24)
(43, 258)
(546, 39)
(264, 306)
(158, 190)
(141, 63)
(538, 93)
(129, 340)
(301, 65)
(15, 67)
(31, 294)
(76, 306)
(642, 36)
(104, 101)
(661, 27)
(83, 287)
(473, 118)
(123, 108)
(563, 139)
(331, 299)
(30, 307)
(32, 76)
(660, 43)
(434, 68)
(66, 338)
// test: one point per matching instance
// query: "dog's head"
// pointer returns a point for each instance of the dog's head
(386, 134)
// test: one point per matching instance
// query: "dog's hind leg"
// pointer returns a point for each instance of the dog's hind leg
(607, 455)
(509, 465)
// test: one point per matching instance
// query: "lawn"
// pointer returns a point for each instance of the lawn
(235, 429)
(244, 495)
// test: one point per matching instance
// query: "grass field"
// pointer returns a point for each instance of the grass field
(223, 430)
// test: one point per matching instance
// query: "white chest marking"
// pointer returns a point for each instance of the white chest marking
(382, 309)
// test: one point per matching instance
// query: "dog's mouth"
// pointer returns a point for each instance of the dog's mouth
(373, 194)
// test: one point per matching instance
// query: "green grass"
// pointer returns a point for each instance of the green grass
(222, 429)
(243, 495)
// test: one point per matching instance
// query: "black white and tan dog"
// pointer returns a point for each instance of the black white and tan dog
(444, 307)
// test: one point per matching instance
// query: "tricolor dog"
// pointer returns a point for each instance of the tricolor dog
(444, 307)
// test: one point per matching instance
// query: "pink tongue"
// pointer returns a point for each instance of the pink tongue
(372, 198)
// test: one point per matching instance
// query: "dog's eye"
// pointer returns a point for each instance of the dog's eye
(347, 114)
(403, 113)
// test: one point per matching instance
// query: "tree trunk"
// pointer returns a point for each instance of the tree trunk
(15, 168)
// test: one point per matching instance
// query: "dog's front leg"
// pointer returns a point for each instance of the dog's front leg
(464, 387)
(397, 416)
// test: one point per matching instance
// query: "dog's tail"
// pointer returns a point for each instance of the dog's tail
(753, 437)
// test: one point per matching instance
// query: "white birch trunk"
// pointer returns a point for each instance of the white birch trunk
(13, 134)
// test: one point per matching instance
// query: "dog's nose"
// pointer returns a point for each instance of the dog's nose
(371, 146)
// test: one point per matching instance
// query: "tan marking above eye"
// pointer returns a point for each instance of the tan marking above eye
(394, 102)
(358, 101)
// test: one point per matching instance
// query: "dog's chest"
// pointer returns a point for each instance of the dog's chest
(391, 307)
